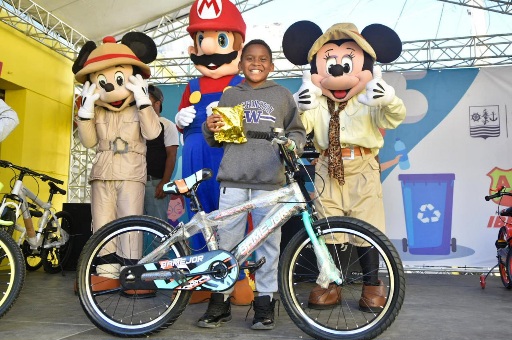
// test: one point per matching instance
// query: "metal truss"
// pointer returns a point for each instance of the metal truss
(39, 24)
(503, 7)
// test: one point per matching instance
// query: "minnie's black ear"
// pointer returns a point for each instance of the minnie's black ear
(142, 45)
(298, 39)
(82, 56)
(385, 42)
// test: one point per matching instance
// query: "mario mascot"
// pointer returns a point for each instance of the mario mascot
(345, 102)
(218, 31)
(116, 117)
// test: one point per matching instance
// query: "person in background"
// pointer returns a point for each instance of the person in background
(160, 160)
(251, 169)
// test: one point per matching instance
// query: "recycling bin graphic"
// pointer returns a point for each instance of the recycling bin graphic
(428, 202)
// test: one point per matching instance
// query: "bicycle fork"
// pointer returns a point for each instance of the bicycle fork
(328, 271)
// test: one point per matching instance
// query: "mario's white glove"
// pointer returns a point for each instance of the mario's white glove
(139, 87)
(378, 92)
(307, 96)
(185, 116)
(89, 97)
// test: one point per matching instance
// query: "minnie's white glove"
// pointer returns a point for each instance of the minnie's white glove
(185, 116)
(307, 96)
(378, 92)
(139, 87)
(86, 110)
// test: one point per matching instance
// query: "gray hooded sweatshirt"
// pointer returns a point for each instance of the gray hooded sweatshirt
(256, 164)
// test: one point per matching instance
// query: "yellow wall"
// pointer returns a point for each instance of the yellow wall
(39, 87)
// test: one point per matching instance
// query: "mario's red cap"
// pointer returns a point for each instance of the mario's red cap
(215, 15)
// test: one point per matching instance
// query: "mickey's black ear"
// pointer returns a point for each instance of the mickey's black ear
(298, 39)
(83, 55)
(142, 45)
(385, 42)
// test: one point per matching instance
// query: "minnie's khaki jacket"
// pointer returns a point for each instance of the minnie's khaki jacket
(120, 141)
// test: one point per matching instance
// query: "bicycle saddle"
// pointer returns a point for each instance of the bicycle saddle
(186, 185)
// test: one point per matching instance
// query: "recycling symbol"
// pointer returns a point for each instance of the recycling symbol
(428, 213)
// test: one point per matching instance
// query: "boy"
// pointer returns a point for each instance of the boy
(251, 169)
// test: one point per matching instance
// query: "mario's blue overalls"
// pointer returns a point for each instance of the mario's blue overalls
(197, 154)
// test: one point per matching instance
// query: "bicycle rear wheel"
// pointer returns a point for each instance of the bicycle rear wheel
(12, 272)
(109, 308)
(55, 257)
(298, 272)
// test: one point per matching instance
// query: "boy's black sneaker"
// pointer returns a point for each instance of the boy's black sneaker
(217, 313)
(263, 313)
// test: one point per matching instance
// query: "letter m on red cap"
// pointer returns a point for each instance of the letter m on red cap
(209, 9)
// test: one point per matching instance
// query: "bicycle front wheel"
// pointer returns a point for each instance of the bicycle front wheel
(126, 314)
(12, 272)
(57, 247)
(346, 317)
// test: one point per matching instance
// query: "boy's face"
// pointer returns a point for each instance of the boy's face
(256, 64)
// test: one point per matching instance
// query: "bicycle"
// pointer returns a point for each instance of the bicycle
(53, 245)
(503, 243)
(12, 270)
(140, 294)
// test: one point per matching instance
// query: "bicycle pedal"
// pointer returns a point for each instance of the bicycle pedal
(254, 266)
(500, 244)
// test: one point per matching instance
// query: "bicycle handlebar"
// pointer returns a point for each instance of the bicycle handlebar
(43, 177)
(500, 193)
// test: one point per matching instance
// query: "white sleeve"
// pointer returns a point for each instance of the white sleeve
(8, 120)
(171, 135)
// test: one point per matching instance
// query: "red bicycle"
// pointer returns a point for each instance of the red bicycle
(503, 243)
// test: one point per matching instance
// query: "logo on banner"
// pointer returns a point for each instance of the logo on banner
(500, 178)
(484, 121)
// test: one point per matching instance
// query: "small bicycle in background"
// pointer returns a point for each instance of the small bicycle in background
(503, 243)
(53, 229)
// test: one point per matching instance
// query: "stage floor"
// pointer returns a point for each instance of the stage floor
(436, 307)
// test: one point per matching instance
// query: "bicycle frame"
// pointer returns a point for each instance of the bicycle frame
(287, 202)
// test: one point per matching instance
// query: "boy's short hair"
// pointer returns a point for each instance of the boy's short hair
(257, 42)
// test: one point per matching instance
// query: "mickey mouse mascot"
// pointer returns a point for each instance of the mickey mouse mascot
(117, 118)
(345, 102)
(218, 31)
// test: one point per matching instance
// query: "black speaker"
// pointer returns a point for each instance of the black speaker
(80, 230)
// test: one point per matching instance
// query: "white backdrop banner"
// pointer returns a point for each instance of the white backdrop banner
(455, 148)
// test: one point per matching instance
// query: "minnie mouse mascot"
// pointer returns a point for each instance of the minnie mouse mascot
(345, 102)
(117, 118)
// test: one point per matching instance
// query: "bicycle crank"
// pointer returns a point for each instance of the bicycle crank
(212, 271)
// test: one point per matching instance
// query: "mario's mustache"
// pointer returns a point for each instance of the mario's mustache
(215, 59)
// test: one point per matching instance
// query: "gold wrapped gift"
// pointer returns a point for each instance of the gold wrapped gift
(233, 129)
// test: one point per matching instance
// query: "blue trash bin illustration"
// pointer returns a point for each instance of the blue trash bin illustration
(428, 202)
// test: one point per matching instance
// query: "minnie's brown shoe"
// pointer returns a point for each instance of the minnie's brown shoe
(373, 298)
(325, 298)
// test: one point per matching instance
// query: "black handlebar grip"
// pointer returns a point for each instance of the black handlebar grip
(259, 135)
